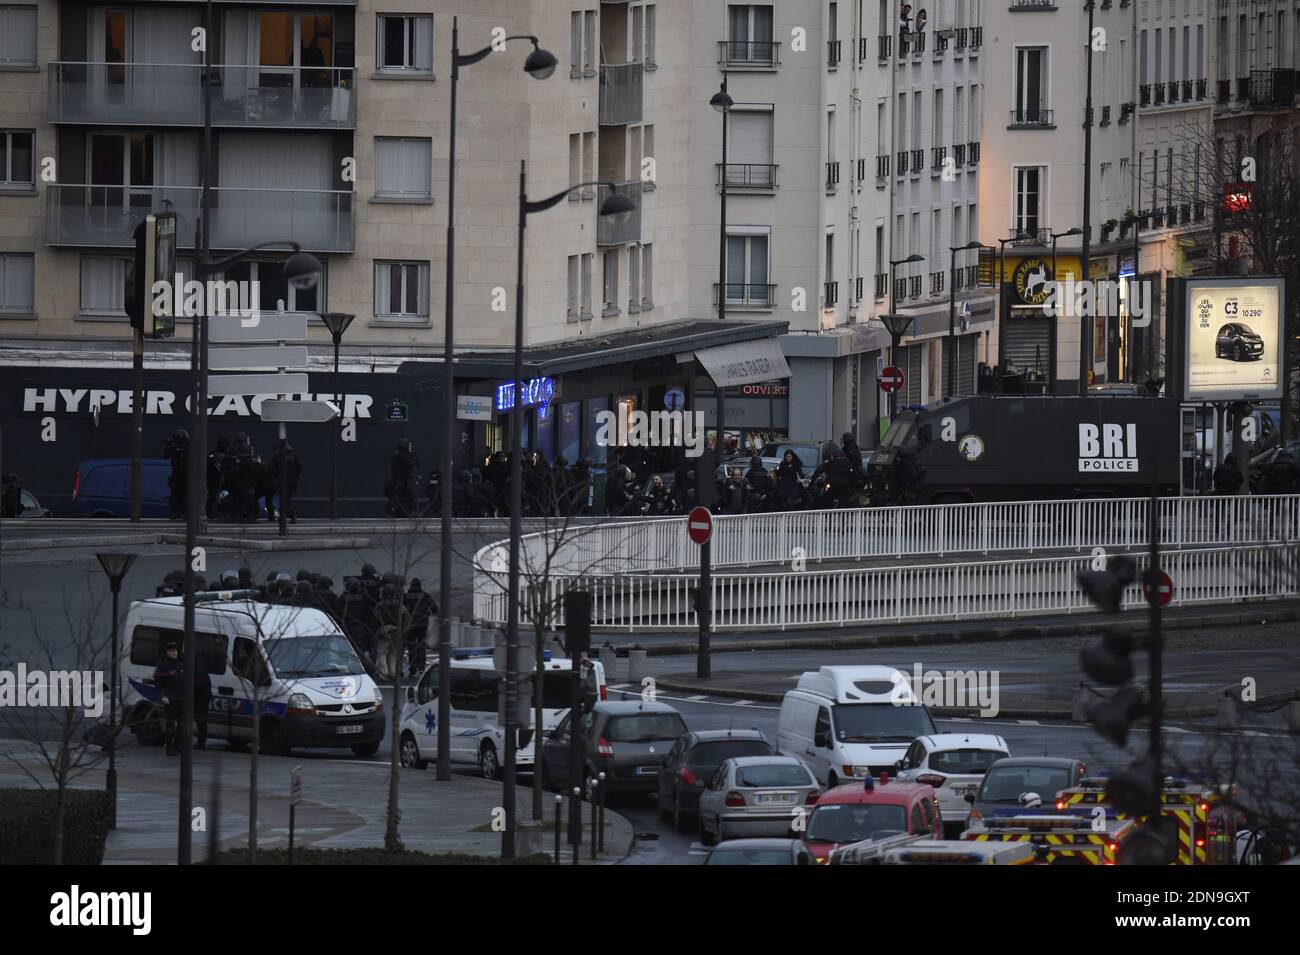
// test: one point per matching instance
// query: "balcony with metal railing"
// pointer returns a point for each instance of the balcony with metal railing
(106, 216)
(914, 286)
(755, 177)
(1033, 236)
(938, 154)
(1200, 89)
(741, 54)
(1272, 89)
(917, 161)
(1144, 94)
(961, 38)
(621, 93)
(900, 288)
(959, 154)
(901, 163)
(1223, 91)
(941, 44)
(976, 38)
(882, 284)
(832, 175)
(624, 227)
(859, 286)
(916, 43)
(159, 94)
(1031, 117)
(834, 52)
(830, 294)
(936, 283)
(744, 295)
(1018, 6)
(884, 46)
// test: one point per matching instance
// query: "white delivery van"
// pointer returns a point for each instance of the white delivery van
(294, 662)
(848, 722)
(477, 731)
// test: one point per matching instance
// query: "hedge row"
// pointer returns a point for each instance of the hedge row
(27, 826)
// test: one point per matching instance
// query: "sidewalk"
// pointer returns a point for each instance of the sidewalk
(343, 806)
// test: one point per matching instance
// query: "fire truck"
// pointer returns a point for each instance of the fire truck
(1207, 829)
(1059, 839)
(962, 852)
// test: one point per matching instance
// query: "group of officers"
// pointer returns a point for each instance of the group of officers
(382, 621)
(240, 484)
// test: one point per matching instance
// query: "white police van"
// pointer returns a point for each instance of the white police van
(477, 706)
(294, 662)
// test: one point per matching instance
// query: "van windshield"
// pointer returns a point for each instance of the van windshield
(881, 723)
(853, 822)
(324, 655)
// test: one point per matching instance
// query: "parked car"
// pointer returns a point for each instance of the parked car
(1238, 341)
(1008, 779)
(692, 762)
(755, 796)
(953, 764)
(102, 488)
(851, 721)
(870, 810)
(760, 852)
(30, 506)
(626, 740)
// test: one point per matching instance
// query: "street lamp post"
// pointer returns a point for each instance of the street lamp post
(894, 321)
(1051, 360)
(952, 313)
(615, 203)
(116, 567)
(706, 468)
(337, 323)
(1085, 321)
(540, 64)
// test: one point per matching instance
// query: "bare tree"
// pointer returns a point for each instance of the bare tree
(54, 729)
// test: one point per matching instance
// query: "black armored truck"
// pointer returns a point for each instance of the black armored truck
(1017, 448)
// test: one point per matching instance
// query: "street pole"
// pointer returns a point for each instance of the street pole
(893, 339)
(137, 406)
(448, 436)
(952, 322)
(115, 584)
(284, 481)
(1086, 321)
(338, 436)
(516, 507)
(197, 472)
(1154, 638)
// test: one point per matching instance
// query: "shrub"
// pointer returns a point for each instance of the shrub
(27, 826)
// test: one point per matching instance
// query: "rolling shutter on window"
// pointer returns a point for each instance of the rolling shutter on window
(750, 144)
(1028, 344)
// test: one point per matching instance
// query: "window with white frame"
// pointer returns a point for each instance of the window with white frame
(748, 269)
(749, 33)
(403, 168)
(17, 283)
(650, 13)
(574, 288)
(647, 277)
(405, 44)
(589, 43)
(609, 285)
(17, 35)
(633, 279)
(103, 285)
(585, 289)
(1031, 93)
(575, 44)
(1029, 199)
(17, 170)
(402, 291)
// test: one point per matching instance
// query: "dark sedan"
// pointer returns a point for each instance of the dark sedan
(1010, 778)
(692, 762)
(627, 740)
(760, 852)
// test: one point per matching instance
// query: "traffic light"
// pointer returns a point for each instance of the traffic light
(1106, 587)
(155, 261)
(1113, 717)
(1109, 660)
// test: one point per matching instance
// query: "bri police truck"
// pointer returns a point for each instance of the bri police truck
(1023, 447)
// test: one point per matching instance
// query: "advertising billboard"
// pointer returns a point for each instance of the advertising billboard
(1234, 337)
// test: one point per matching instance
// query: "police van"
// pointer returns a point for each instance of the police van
(292, 665)
(477, 698)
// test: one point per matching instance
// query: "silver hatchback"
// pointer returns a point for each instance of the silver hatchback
(756, 796)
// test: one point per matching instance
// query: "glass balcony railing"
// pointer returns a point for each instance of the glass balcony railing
(161, 94)
(106, 216)
(620, 93)
(624, 227)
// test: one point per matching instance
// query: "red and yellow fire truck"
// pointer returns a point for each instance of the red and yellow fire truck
(1059, 839)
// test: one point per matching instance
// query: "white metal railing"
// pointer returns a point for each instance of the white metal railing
(908, 593)
(639, 561)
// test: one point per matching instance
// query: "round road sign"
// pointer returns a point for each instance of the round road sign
(699, 525)
(891, 379)
(1164, 589)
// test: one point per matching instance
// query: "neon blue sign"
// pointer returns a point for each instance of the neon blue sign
(536, 392)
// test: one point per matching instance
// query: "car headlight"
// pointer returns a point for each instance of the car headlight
(301, 704)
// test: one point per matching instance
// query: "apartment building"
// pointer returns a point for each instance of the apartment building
(848, 141)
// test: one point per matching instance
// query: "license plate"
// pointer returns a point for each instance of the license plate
(646, 770)
(356, 728)
(773, 799)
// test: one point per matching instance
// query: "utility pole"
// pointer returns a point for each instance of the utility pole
(1086, 321)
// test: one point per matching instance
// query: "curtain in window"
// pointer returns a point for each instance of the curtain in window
(403, 168)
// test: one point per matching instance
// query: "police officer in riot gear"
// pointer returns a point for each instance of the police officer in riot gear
(403, 477)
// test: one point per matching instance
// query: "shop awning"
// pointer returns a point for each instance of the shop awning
(744, 363)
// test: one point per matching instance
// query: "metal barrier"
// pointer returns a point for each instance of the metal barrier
(634, 569)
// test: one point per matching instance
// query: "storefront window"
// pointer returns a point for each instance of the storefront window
(596, 452)
(570, 427)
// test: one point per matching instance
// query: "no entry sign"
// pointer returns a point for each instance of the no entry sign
(699, 525)
(891, 379)
(1164, 589)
